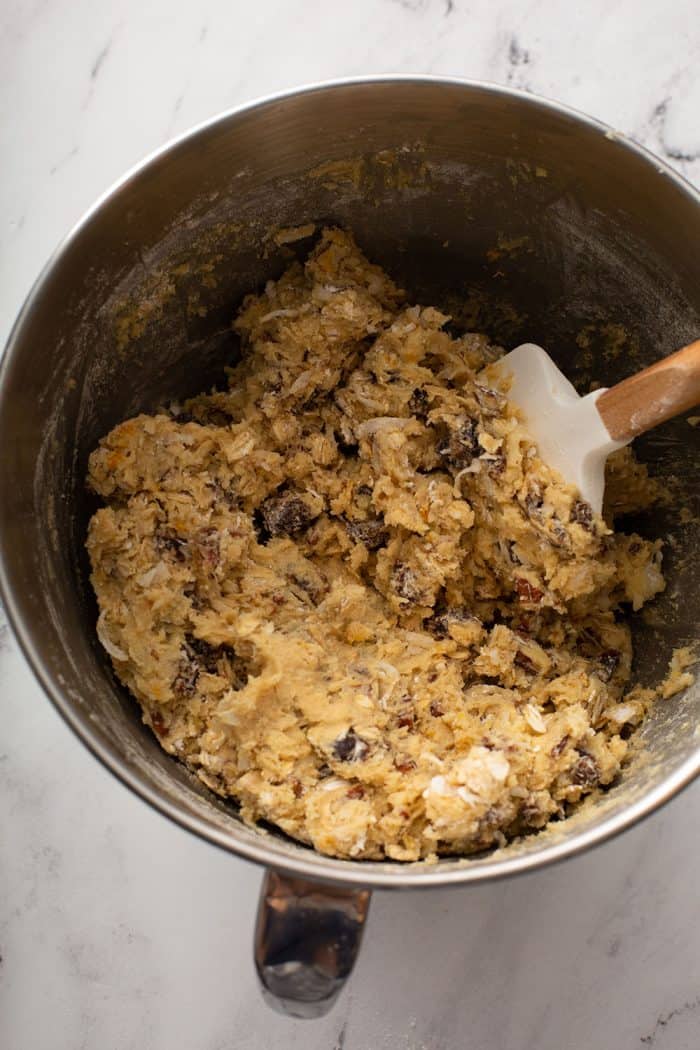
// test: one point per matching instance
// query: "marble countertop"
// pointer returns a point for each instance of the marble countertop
(118, 930)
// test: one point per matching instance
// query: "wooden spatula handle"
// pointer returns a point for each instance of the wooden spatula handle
(664, 390)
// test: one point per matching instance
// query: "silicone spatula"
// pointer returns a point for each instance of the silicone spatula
(574, 434)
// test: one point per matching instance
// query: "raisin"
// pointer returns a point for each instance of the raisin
(350, 747)
(167, 541)
(182, 416)
(203, 653)
(634, 547)
(356, 791)
(436, 710)
(405, 583)
(608, 663)
(495, 464)
(559, 536)
(313, 587)
(531, 813)
(373, 534)
(286, 514)
(439, 625)
(216, 659)
(185, 682)
(212, 416)
(534, 500)
(582, 514)
(459, 444)
(404, 764)
(324, 771)
(223, 496)
(585, 772)
(527, 593)
(346, 448)
(418, 403)
(559, 748)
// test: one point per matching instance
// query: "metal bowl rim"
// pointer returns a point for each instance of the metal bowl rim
(308, 863)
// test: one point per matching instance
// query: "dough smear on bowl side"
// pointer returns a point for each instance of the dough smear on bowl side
(346, 591)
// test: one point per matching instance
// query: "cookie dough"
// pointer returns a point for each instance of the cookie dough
(347, 592)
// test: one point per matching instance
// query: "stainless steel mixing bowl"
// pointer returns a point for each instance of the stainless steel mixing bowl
(523, 218)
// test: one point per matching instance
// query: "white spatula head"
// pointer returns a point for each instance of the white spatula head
(567, 428)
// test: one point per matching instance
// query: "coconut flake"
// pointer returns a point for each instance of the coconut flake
(623, 713)
(114, 651)
(158, 574)
(373, 426)
(534, 719)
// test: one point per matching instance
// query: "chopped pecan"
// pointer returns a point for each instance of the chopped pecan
(356, 791)
(158, 724)
(436, 709)
(297, 788)
(406, 720)
(404, 764)
(526, 592)
(350, 747)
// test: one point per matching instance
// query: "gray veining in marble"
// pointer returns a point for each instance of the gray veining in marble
(117, 930)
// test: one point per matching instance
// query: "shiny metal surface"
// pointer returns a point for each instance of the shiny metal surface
(522, 217)
(307, 938)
